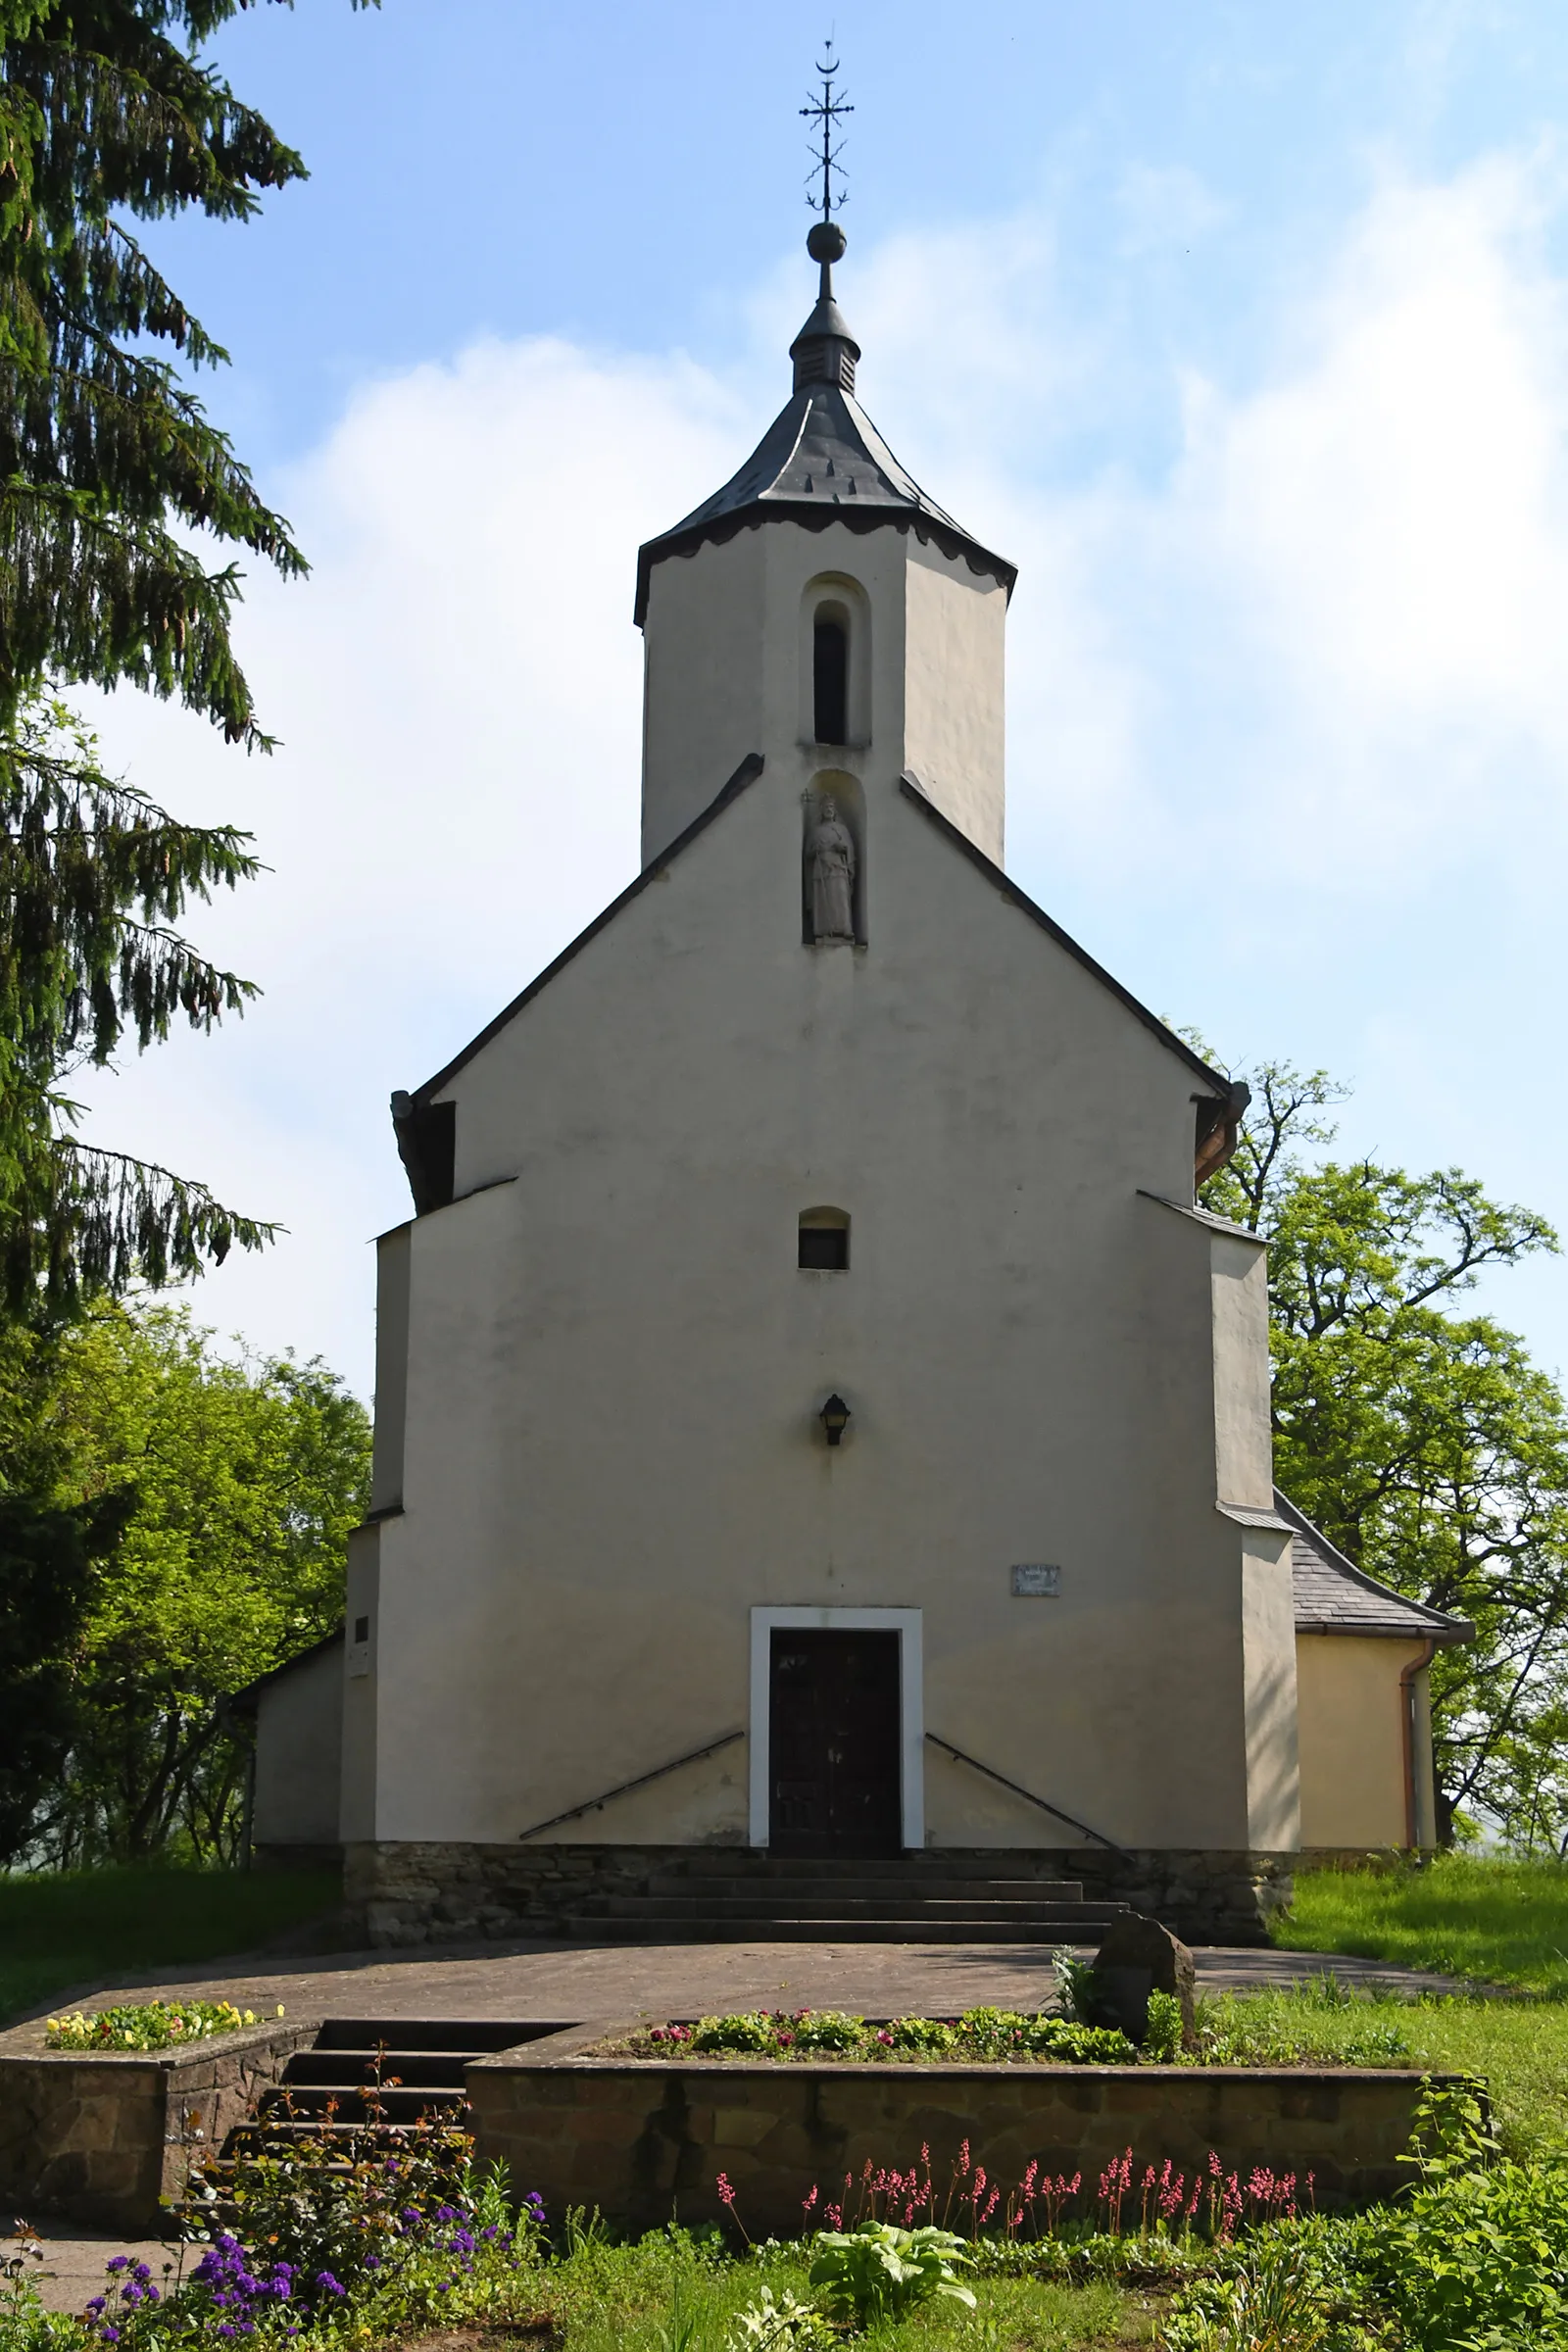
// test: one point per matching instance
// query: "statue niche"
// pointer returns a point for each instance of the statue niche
(831, 866)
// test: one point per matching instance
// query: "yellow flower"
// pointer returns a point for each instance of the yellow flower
(279, 2008)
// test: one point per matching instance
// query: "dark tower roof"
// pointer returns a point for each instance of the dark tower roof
(821, 460)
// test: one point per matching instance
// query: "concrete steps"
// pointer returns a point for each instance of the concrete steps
(728, 1897)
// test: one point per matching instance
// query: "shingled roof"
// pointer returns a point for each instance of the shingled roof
(821, 461)
(1334, 1597)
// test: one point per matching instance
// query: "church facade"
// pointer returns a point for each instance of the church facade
(813, 1415)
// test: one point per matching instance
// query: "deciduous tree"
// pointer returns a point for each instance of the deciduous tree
(236, 1483)
(1419, 1436)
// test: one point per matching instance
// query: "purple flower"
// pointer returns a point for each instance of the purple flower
(97, 2304)
(326, 2279)
(122, 2262)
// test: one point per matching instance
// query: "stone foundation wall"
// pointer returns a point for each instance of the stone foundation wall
(645, 2141)
(107, 2138)
(402, 1895)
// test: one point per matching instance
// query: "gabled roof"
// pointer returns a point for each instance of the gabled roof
(1231, 1091)
(1335, 1596)
(750, 768)
(244, 1703)
(418, 1117)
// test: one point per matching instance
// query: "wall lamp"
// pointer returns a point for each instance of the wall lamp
(835, 1418)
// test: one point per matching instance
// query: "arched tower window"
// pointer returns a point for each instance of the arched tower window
(830, 678)
(824, 1241)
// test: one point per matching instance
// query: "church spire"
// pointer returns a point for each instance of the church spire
(824, 351)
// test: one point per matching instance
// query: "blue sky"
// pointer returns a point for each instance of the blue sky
(1244, 331)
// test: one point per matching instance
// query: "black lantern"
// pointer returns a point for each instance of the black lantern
(835, 1418)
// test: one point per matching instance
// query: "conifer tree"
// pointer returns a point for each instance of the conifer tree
(108, 468)
(107, 460)
(93, 875)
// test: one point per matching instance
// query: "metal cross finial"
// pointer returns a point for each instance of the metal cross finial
(826, 111)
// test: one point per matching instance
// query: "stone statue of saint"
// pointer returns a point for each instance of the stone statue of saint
(830, 853)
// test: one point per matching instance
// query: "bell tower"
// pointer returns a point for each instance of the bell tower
(821, 609)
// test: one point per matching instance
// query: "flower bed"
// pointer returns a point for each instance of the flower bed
(1005, 2036)
(148, 2026)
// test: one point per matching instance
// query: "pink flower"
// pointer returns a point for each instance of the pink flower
(724, 2189)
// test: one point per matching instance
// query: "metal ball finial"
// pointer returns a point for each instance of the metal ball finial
(825, 241)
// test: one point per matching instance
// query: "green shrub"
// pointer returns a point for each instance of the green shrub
(752, 2030)
(827, 2030)
(1162, 2034)
(925, 2037)
(879, 2274)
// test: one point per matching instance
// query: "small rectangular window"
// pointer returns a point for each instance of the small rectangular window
(362, 1628)
(825, 1249)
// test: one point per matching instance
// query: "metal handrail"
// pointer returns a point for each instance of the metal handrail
(596, 1804)
(1056, 1811)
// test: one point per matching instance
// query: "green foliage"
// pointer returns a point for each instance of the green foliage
(93, 877)
(921, 2036)
(1162, 2034)
(1280, 2298)
(46, 1571)
(881, 2274)
(109, 464)
(1075, 1984)
(827, 2030)
(147, 2025)
(67, 1930)
(748, 2031)
(984, 2034)
(236, 1485)
(1475, 2260)
(1420, 1436)
(779, 2324)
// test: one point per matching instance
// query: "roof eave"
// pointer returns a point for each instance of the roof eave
(816, 515)
(1214, 1080)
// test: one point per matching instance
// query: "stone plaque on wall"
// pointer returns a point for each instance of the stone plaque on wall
(1033, 1581)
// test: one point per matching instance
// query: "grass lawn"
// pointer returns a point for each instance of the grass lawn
(648, 2298)
(96, 1927)
(1498, 1922)
(1505, 1923)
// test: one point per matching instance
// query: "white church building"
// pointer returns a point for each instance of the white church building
(822, 1456)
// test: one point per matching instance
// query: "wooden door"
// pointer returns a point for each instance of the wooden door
(833, 1743)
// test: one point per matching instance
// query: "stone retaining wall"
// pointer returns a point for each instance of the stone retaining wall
(641, 2140)
(414, 1893)
(105, 2137)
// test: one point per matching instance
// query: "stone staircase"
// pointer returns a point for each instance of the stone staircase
(398, 2066)
(726, 1896)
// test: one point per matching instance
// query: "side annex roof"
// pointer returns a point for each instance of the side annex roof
(1334, 1597)
(422, 1124)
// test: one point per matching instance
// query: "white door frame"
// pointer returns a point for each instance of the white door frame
(906, 1623)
